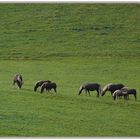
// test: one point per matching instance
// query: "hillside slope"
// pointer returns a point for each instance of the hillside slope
(39, 31)
(69, 44)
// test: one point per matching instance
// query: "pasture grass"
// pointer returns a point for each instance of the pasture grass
(25, 113)
(40, 31)
(70, 44)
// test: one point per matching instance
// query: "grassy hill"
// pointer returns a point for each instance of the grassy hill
(39, 31)
(70, 44)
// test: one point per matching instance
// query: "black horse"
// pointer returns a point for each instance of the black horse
(111, 87)
(119, 93)
(133, 92)
(130, 92)
(90, 87)
(18, 80)
(48, 87)
(39, 84)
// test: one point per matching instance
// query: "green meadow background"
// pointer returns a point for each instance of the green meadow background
(70, 44)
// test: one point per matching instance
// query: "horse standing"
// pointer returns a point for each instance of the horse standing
(18, 80)
(134, 92)
(39, 83)
(111, 87)
(130, 92)
(90, 87)
(48, 86)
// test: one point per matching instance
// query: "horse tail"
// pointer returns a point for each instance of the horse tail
(80, 90)
(100, 90)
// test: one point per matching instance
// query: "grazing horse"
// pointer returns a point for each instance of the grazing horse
(120, 93)
(48, 86)
(111, 87)
(130, 92)
(134, 92)
(18, 80)
(39, 83)
(90, 87)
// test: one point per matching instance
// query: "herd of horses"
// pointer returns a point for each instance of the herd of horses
(117, 90)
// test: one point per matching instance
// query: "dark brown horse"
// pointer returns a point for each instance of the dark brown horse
(130, 92)
(18, 80)
(39, 84)
(119, 93)
(90, 87)
(133, 92)
(111, 87)
(48, 86)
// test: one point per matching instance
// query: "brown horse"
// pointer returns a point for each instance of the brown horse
(39, 84)
(48, 86)
(90, 87)
(111, 87)
(18, 80)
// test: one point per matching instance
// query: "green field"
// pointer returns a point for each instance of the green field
(70, 44)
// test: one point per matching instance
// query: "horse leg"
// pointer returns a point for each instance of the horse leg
(19, 84)
(125, 97)
(14, 82)
(135, 97)
(89, 93)
(114, 97)
(97, 93)
(128, 97)
(85, 92)
(117, 97)
(55, 90)
(112, 92)
(47, 90)
(50, 90)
